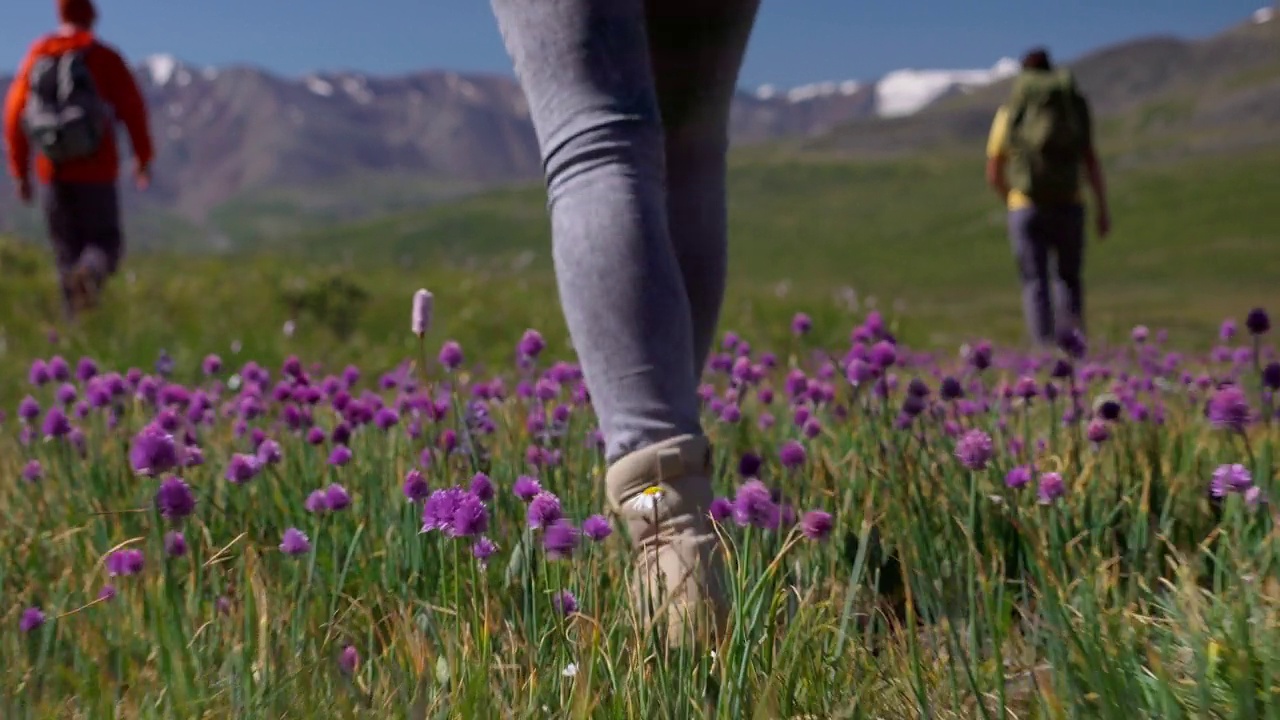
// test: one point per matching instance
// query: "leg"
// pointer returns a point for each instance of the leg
(60, 213)
(1069, 286)
(585, 69)
(1031, 252)
(587, 75)
(697, 48)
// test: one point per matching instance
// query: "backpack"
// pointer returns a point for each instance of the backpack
(1049, 134)
(65, 117)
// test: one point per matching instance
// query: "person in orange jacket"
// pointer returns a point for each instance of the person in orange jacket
(63, 105)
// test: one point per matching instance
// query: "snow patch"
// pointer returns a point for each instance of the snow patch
(319, 86)
(765, 92)
(904, 92)
(161, 68)
(466, 88)
(822, 89)
(357, 88)
(1264, 15)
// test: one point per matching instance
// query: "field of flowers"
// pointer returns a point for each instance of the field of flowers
(1082, 533)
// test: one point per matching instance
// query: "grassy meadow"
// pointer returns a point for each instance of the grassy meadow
(1084, 534)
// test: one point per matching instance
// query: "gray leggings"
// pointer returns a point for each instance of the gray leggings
(630, 103)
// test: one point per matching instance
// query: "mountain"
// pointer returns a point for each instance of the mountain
(246, 155)
(243, 152)
(1165, 94)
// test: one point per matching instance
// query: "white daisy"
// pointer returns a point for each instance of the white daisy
(647, 500)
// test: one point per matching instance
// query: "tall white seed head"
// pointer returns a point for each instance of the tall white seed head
(422, 306)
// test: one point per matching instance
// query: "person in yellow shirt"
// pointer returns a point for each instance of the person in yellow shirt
(1041, 189)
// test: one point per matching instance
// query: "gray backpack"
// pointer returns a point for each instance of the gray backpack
(66, 118)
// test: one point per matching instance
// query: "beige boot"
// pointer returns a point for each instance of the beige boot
(663, 493)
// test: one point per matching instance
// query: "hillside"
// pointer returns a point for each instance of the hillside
(1175, 95)
(244, 154)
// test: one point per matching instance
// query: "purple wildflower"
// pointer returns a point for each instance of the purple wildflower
(1097, 431)
(816, 524)
(596, 527)
(792, 454)
(56, 424)
(544, 509)
(1018, 478)
(294, 542)
(439, 509)
(451, 355)
(153, 451)
(721, 509)
(482, 550)
(482, 487)
(560, 539)
(565, 603)
(526, 488)
(32, 471)
(123, 563)
(348, 660)
(975, 450)
(754, 505)
(415, 486)
(107, 593)
(175, 544)
(801, 324)
(317, 502)
(242, 468)
(341, 455)
(39, 374)
(1228, 409)
(174, 498)
(883, 355)
(1230, 478)
(211, 365)
(1257, 322)
(269, 452)
(1051, 488)
(470, 518)
(32, 619)
(338, 497)
(531, 344)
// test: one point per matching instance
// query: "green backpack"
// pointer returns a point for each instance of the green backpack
(1049, 134)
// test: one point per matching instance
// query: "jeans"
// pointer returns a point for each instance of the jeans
(1048, 245)
(630, 105)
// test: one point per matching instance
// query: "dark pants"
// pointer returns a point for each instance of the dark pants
(1048, 245)
(83, 217)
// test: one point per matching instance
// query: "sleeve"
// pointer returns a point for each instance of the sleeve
(997, 140)
(124, 95)
(15, 136)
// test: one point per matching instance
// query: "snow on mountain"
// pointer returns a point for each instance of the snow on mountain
(901, 92)
(904, 92)
(1264, 15)
(163, 69)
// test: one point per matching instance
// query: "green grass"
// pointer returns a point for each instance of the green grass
(942, 592)
(1192, 239)
(1129, 598)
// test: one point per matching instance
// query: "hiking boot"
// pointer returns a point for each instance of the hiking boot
(82, 290)
(663, 493)
(84, 283)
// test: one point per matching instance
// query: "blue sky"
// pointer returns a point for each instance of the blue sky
(796, 41)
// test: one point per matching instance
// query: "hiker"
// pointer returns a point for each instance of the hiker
(630, 105)
(68, 94)
(1040, 140)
